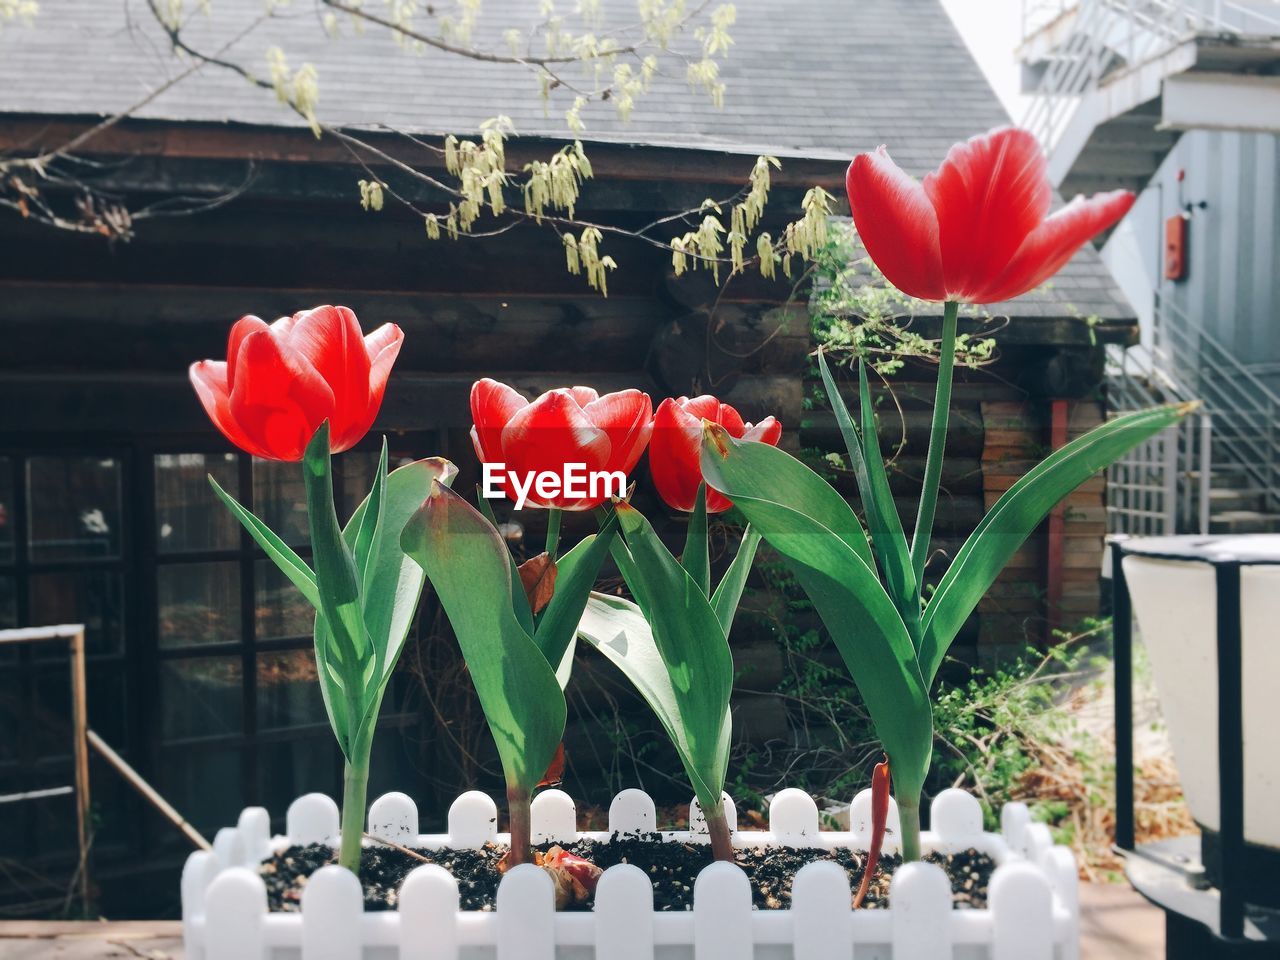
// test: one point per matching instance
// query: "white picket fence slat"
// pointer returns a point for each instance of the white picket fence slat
(1032, 912)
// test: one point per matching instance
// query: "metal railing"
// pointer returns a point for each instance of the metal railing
(1245, 410)
(1161, 486)
(1109, 35)
(1164, 485)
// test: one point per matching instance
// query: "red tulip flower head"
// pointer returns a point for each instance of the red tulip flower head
(675, 453)
(573, 425)
(977, 230)
(281, 381)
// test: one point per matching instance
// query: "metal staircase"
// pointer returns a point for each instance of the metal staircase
(1219, 470)
(1113, 84)
(1114, 81)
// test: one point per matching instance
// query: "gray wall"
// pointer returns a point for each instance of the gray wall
(1232, 285)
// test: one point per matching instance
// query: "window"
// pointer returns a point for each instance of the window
(200, 661)
(64, 556)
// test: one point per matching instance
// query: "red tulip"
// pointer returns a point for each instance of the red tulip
(676, 450)
(978, 230)
(281, 382)
(563, 426)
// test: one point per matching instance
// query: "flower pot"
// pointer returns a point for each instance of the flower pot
(1031, 915)
(1173, 585)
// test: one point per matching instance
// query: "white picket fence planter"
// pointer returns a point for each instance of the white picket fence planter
(1032, 914)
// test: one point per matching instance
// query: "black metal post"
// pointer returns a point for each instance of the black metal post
(1230, 750)
(1122, 634)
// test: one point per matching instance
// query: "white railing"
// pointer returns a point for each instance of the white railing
(1109, 35)
(1032, 906)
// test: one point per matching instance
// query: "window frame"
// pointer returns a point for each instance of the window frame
(141, 655)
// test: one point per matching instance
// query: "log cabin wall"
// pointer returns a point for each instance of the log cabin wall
(999, 429)
(97, 342)
(189, 677)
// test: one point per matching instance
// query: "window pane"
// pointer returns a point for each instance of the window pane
(92, 597)
(358, 468)
(205, 785)
(6, 510)
(200, 697)
(189, 515)
(288, 690)
(73, 504)
(280, 610)
(286, 771)
(8, 604)
(8, 617)
(199, 603)
(280, 500)
(13, 711)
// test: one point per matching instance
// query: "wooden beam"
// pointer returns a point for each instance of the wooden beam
(234, 141)
(164, 327)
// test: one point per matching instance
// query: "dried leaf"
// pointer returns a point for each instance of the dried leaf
(555, 772)
(538, 577)
(575, 878)
(879, 820)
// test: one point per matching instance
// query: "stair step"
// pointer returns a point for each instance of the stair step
(1223, 499)
(1244, 521)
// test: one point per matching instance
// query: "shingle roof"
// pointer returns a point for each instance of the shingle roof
(824, 78)
(815, 78)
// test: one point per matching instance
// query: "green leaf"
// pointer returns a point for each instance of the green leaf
(888, 540)
(576, 573)
(337, 579)
(370, 511)
(1017, 513)
(844, 588)
(290, 564)
(392, 581)
(618, 629)
(725, 600)
(759, 470)
(695, 558)
(520, 602)
(890, 544)
(467, 563)
(332, 691)
(692, 648)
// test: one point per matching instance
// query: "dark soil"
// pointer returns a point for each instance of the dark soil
(672, 868)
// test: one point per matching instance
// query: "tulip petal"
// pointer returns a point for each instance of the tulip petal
(897, 224)
(626, 416)
(731, 420)
(675, 450)
(329, 338)
(209, 378)
(989, 194)
(493, 404)
(585, 395)
(549, 433)
(382, 347)
(705, 407)
(768, 430)
(239, 331)
(1054, 242)
(278, 401)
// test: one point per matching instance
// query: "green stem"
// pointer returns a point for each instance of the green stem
(355, 779)
(518, 810)
(909, 815)
(937, 443)
(553, 531)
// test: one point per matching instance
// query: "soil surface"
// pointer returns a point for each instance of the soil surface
(672, 868)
